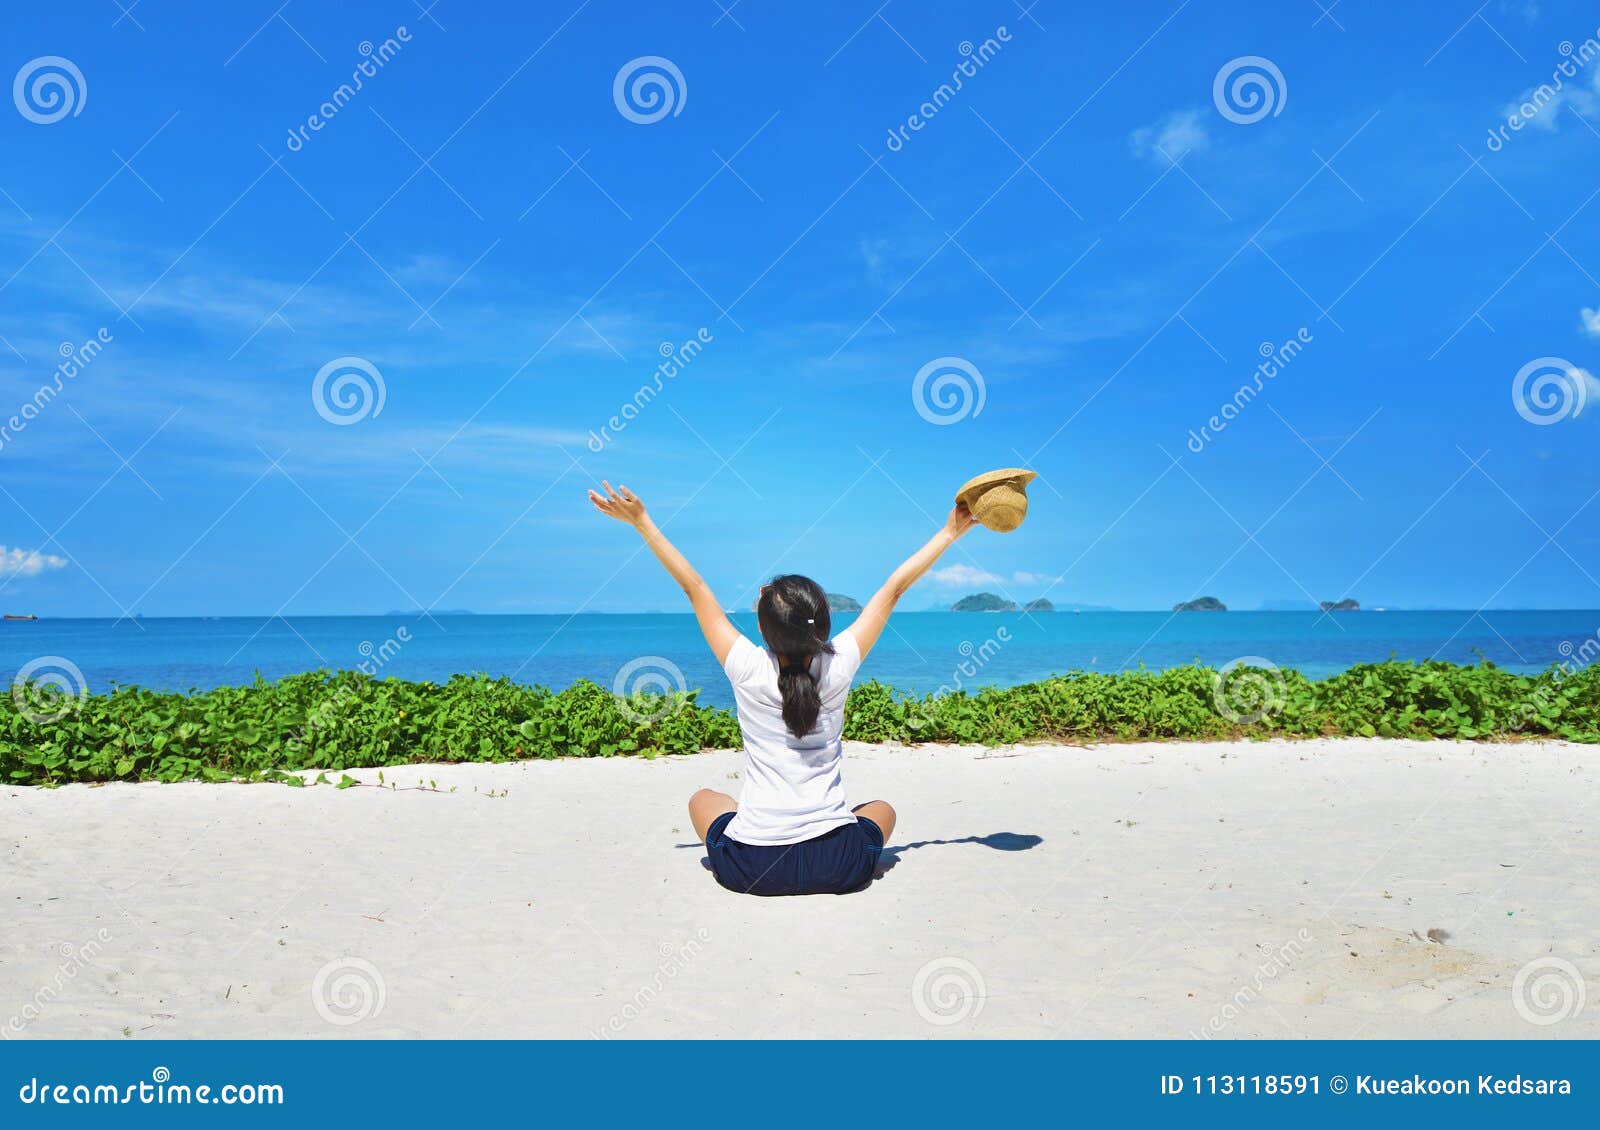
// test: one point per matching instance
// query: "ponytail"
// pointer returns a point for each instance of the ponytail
(793, 613)
(801, 701)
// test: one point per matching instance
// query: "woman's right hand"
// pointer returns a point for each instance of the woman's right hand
(960, 521)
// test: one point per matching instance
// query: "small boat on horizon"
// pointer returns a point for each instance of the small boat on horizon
(29, 616)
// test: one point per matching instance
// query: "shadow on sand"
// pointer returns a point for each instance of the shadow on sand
(999, 841)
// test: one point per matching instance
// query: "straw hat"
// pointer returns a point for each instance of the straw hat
(998, 499)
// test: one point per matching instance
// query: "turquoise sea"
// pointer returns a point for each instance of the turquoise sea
(921, 651)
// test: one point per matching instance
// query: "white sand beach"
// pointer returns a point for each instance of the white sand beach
(1154, 890)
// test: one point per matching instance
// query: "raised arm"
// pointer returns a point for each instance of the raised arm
(623, 505)
(869, 625)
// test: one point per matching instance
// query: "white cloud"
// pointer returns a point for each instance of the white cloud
(1540, 106)
(1591, 393)
(27, 562)
(1173, 136)
(1023, 577)
(968, 576)
(1591, 321)
(962, 576)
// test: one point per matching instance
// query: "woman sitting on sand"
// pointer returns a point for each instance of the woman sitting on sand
(793, 834)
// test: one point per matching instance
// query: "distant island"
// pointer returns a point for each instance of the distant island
(1039, 605)
(1202, 604)
(983, 602)
(1345, 605)
(837, 602)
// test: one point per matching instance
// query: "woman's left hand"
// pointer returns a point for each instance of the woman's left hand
(621, 504)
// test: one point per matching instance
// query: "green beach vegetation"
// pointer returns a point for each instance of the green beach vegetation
(326, 722)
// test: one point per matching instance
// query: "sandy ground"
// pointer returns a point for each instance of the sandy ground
(1231, 890)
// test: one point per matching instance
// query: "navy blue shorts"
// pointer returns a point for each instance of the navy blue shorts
(839, 861)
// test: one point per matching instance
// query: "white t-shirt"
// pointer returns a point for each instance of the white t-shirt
(793, 788)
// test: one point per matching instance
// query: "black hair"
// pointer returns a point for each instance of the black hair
(793, 613)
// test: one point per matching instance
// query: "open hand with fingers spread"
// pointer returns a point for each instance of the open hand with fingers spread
(621, 504)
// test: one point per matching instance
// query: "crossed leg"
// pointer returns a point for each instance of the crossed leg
(705, 806)
(880, 813)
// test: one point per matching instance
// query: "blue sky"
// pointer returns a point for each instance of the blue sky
(1081, 225)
